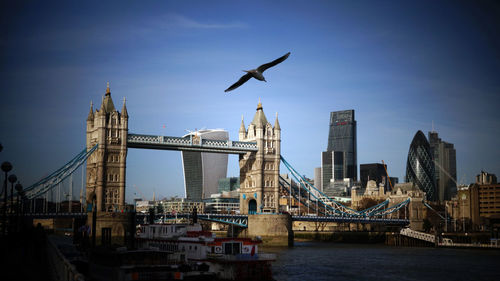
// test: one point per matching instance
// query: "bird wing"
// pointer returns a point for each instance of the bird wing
(263, 67)
(240, 82)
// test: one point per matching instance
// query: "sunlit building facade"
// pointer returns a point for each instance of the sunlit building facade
(202, 170)
(420, 167)
(333, 167)
(445, 166)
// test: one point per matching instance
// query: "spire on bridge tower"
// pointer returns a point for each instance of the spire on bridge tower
(102, 109)
(242, 132)
(124, 108)
(107, 102)
(276, 123)
(90, 117)
(259, 120)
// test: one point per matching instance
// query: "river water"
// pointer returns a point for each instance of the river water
(332, 261)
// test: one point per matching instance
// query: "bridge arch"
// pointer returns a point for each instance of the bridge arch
(252, 206)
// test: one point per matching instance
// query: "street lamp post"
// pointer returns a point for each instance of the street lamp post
(19, 189)
(12, 180)
(6, 167)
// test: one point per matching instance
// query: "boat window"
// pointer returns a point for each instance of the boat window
(232, 248)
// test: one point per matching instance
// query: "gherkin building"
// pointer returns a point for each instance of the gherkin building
(420, 167)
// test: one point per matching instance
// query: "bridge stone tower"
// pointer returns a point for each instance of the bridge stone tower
(106, 166)
(259, 171)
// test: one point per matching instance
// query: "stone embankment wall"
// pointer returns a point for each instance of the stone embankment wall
(341, 236)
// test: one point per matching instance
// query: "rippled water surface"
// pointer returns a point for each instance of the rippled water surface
(330, 261)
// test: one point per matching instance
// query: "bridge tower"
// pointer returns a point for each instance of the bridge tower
(259, 171)
(106, 166)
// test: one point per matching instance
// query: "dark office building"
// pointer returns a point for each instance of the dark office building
(393, 182)
(420, 167)
(342, 137)
(228, 184)
(332, 166)
(193, 168)
(445, 167)
(374, 171)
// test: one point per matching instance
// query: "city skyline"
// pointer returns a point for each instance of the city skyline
(399, 66)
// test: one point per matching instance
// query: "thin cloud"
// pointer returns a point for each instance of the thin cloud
(175, 20)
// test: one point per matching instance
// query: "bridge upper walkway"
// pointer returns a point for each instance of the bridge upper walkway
(190, 144)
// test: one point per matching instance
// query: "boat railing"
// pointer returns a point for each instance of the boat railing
(246, 257)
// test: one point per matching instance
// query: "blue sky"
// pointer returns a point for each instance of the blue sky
(399, 64)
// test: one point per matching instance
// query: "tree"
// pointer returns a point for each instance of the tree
(433, 216)
(159, 209)
(427, 225)
(151, 215)
(367, 202)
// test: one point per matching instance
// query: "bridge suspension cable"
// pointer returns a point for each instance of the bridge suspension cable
(49, 182)
(329, 205)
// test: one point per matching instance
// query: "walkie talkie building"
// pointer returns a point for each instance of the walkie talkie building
(202, 170)
(420, 167)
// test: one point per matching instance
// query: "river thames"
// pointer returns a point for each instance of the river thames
(331, 261)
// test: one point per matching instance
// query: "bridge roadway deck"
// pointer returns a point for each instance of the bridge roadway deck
(242, 220)
(190, 144)
(340, 219)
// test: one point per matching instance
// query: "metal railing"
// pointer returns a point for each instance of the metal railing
(418, 235)
(243, 257)
(60, 267)
(190, 144)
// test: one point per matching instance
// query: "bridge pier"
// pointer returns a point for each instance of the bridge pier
(119, 225)
(235, 231)
(274, 229)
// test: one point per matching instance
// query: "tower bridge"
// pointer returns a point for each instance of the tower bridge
(259, 149)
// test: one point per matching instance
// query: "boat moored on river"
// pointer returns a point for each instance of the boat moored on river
(230, 258)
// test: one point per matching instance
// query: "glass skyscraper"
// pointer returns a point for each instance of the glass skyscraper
(420, 167)
(342, 137)
(333, 167)
(202, 170)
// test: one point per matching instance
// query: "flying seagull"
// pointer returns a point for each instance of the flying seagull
(256, 73)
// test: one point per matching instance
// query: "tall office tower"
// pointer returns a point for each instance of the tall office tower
(317, 178)
(445, 166)
(342, 137)
(333, 165)
(420, 167)
(374, 171)
(203, 170)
